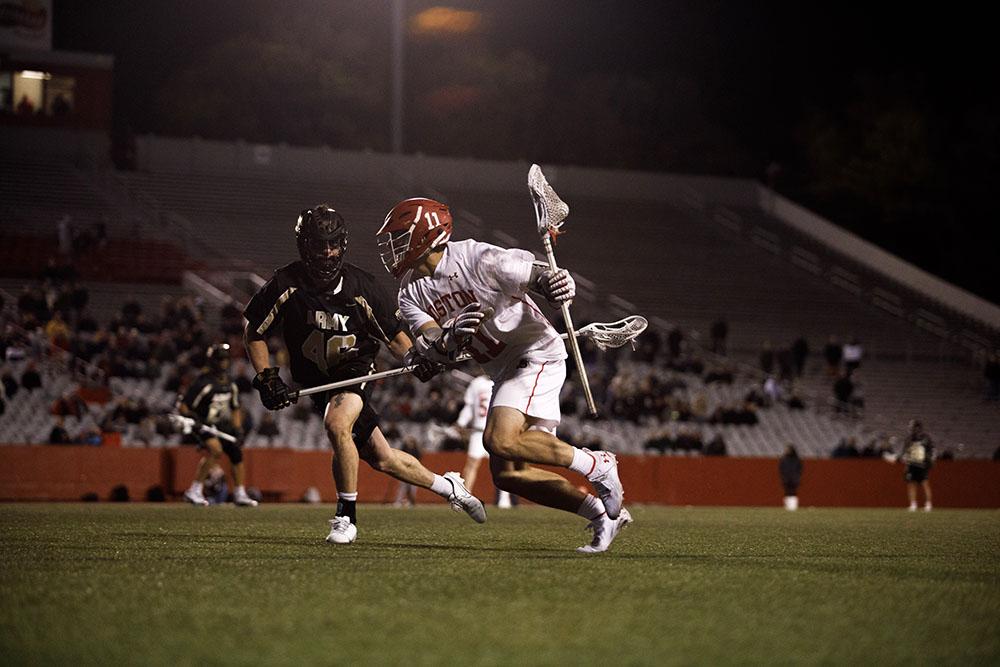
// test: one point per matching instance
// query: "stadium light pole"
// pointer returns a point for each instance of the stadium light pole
(396, 120)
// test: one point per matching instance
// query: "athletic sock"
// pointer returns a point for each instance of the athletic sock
(583, 462)
(441, 486)
(591, 508)
(197, 486)
(241, 490)
(347, 506)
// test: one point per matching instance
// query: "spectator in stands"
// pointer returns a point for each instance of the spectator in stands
(853, 353)
(268, 427)
(719, 331)
(57, 331)
(716, 446)
(800, 353)
(773, 391)
(25, 107)
(767, 358)
(843, 393)
(992, 374)
(69, 405)
(833, 352)
(675, 340)
(31, 379)
(847, 448)
(58, 435)
(10, 385)
(60, 106)
(790, 470)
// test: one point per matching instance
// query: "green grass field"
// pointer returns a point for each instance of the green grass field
(171, 584)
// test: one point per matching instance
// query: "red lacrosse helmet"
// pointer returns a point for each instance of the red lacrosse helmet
(412, 229)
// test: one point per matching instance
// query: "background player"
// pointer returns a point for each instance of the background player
(472, 420)
(333, 316)
(473, 296)
(213, 399)
(918, 455)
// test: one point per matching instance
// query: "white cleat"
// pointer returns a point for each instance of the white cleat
(342, 531)
(604, 478)
(195, 497)
(243, 500)
(463, 501)
(605, 530)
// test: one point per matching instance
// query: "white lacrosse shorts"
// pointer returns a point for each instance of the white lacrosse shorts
(533, 388)
(476, 448)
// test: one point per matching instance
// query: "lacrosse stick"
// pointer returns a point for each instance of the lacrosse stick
(186, 425)
(604, 335)
(550, 213)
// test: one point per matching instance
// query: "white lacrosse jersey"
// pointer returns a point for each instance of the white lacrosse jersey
(477, 404)
(472, 271)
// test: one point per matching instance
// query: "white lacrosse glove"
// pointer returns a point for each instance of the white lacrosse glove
(558, 287)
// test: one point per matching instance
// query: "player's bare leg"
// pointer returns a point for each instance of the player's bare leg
(911, 491)
(513, 436)
(926, 484)
(537, 485)
(341, 413)
(471, 471)
(404, 467)
(213, 452)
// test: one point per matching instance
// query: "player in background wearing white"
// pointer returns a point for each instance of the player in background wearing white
(471, 296)
(472, 420)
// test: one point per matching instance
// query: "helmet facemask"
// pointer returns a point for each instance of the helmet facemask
(321, 236)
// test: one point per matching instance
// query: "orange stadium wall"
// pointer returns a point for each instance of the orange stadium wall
(67, 473)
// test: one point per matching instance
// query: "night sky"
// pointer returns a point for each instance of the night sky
(761, 73)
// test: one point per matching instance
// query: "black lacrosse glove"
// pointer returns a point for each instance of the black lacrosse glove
(426, 369)
(273, 390)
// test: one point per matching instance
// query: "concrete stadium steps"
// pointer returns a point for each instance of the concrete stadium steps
(252, 219)
(51, 185)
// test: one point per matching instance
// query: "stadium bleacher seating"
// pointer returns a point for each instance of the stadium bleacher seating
(691, 270)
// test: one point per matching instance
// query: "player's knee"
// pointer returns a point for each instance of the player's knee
(338, 433)
(499, 444)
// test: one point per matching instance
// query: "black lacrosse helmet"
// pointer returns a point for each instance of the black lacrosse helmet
(317, 231)
(217, 358)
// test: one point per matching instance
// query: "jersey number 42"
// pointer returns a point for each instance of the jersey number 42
(326, 353)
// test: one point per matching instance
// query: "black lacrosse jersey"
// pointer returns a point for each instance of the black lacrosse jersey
(214, 402)
(324, 331)
(919, 451)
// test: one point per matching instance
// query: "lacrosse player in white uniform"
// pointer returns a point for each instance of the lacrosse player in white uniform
(472, 420)
(467, 296)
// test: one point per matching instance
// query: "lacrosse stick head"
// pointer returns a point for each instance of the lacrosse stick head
(550, 210)
(615, 334)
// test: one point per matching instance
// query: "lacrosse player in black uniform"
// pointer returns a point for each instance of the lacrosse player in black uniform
(213, 399)
(333, 316)
(918, 455)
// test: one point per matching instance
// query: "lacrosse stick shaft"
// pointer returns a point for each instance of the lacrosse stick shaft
(218, 434)
(574, 345)
(403, 370)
